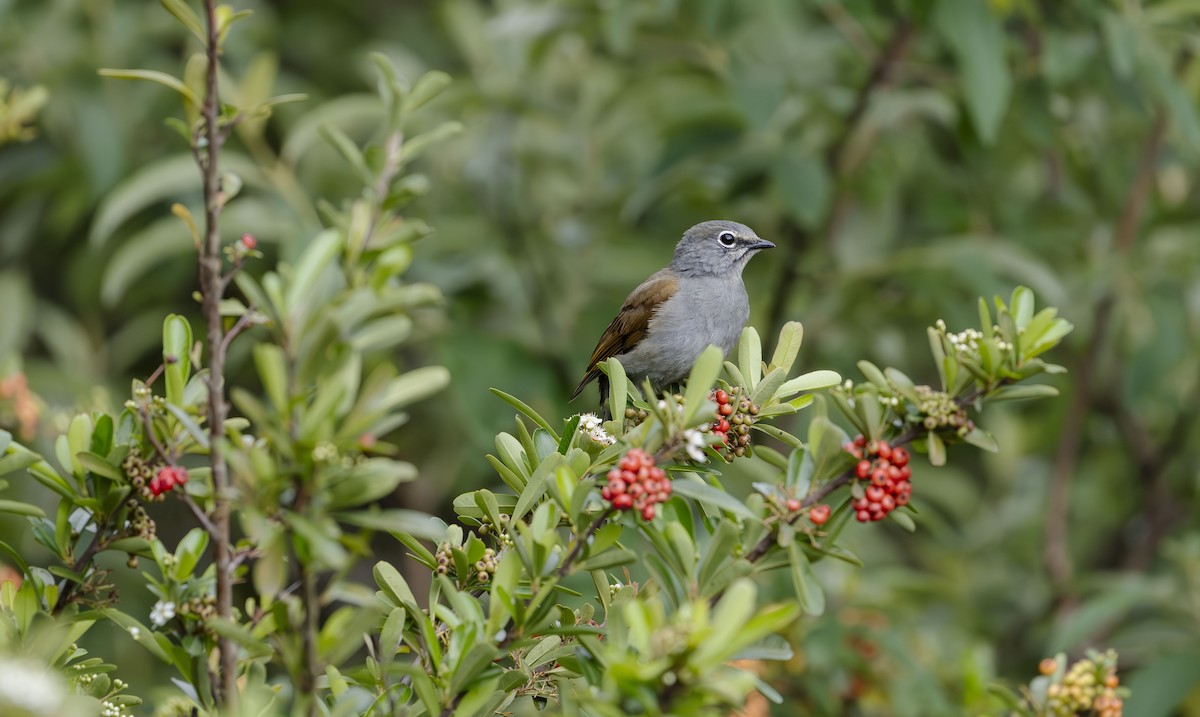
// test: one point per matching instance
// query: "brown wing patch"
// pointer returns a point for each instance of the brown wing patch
(631, 323)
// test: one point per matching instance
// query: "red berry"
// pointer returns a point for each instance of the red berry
(623, 501)
(899, 457)
(249, 241)
(725, 409)
(879, 477)
(884, 450)
(648, 513)
(888, 503)
(723, 426)
(606, 493)
(905, 473)
(863, 516)
(722, 397)
(793, 505)
(874, 494)
(862, 469)
(818, 514)
(617, 486)
(860, 440)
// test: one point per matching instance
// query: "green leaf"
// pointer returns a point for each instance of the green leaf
(161, 78)
(808, 590)
(536, 487)
(701, 379)
(1160, 686)
(18, 508)
(937, 449)
(750, 357)
(904, 520)
(188, 552)
(607, 559)
(791, 336)
(349, 151)
(976, 36)
(705, 493)
(176, 355)
(525, 409)
(1022, 392)
(729, 617)
(428, 87)
(271, 363)
(808, 382)
(618, 392)
(393, 584)
(874, 375)
(317, 257)
(184, 13)
(397, 520)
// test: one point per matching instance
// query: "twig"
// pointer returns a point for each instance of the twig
(882, 74)
(198, 512)
(1057, 555)
(847, 476)
(244, 322)
(211, 289)
(601, 518)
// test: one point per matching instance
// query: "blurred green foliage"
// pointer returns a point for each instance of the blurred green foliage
(906, 156)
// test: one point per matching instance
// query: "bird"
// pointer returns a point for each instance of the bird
(671, 317)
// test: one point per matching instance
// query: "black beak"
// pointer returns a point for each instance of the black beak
(759, 244)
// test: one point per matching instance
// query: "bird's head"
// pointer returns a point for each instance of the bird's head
(717, 248)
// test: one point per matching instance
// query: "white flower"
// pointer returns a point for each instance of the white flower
(29, 688)
(593, 426)
(590, 422)
(694, 440)
(135, 632)
(161, 613)
(599, 435)
(941, 325)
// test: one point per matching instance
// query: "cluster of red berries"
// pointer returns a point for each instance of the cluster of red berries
(887, 471)
(734, 417)
(637, 483)
(818, 514)
(168, 477)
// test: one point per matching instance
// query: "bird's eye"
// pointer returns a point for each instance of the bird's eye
(727, 239)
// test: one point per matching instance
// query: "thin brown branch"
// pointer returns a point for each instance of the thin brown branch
(1057, 555)
(846, 477)
(244, 322)
(600, 519)
(211, 290)
(795, 238)
(197, 512)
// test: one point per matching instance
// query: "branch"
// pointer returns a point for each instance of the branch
(848, 476)
(1057, 555)
(211, 290)
(882, 74)
(577, 548)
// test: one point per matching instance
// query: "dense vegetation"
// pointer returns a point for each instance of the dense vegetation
(422, 201)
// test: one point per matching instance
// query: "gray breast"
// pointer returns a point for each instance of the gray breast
(705, 310)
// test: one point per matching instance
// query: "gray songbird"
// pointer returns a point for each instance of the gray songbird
(696, 301)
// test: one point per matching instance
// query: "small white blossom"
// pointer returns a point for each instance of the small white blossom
(941, 325)
(593, 426)
(161, 613)
(29, 688)
(694, 441)
(590, 422)
(848, 384)
(135, 632)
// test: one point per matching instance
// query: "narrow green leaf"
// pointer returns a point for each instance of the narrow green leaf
(808, 382)
(937, 449)
(618, 392)
(791, 336)
(700, 381)
(525, 409)
(699, 491)
(161, 78)
(808, 590)
(750, 357)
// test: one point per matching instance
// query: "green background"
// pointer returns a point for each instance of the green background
(907, 157)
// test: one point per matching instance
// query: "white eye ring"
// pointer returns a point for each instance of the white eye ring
(727, 239)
